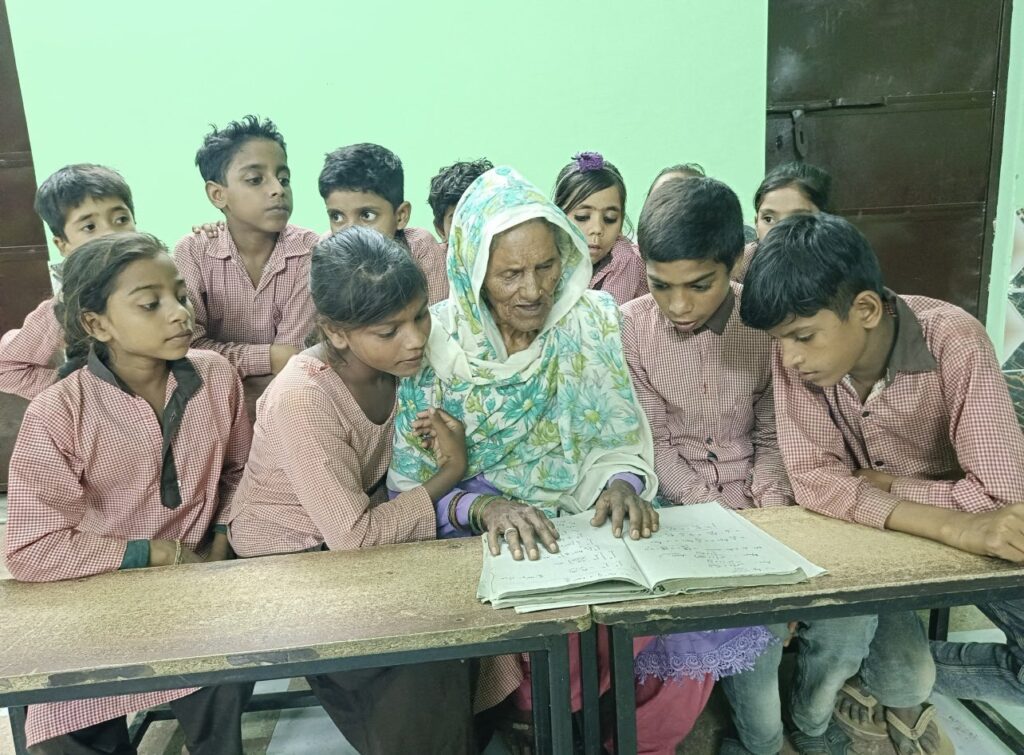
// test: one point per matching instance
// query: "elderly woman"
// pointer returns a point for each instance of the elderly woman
(532, 363)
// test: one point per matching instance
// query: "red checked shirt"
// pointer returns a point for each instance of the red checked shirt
(29, 355)
(430, 256)
(89, 479)
(236, 318)
(622, 273)
(316, 472)
(940, 420)
(708, 397)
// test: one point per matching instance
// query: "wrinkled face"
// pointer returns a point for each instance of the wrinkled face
(522, 274)
(395, 345)
(365, 208)
(599, 216)
(258, 192)
(778, 205)
(95, 217)
(688, 292)
(148, 314)
(822, 348)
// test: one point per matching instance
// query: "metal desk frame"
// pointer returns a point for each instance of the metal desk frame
(855, 603)
(549, 658)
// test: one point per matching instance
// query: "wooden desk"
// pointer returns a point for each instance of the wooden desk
(870, 571)
(268, 618)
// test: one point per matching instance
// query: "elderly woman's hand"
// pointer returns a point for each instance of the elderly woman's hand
(620, 501)
(521, 525)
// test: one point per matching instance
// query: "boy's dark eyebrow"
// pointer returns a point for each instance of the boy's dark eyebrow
(704, 277)
(261, 166)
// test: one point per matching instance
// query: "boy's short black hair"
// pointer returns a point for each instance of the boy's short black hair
(692, 219)
(67, 188)
(451, 182)
(808, 263)
(220, 145)
(364, 167)
(813, 182)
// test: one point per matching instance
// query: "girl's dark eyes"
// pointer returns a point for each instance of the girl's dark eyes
(610, 221)
(285, 181)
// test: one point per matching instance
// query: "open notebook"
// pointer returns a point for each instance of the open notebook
(698, 547)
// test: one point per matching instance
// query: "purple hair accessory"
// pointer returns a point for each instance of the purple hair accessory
(588, 161)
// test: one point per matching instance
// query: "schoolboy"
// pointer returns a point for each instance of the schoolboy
(892, 412)
(447, 188)
(249, 285)
(78, 203)
(704, 381)
(364, 184)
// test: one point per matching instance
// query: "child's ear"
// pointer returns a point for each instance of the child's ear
(868, 308)
(96, 325)
(337, 337)
(402, 214)
(216, 193)
(62, 246)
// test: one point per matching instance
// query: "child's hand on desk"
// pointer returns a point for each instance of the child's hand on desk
(220, 548)
(210, 230)
(164, 553)
(444, 435)
(994, 533)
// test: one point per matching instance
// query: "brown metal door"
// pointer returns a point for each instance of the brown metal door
(903, 104)
(24, 280)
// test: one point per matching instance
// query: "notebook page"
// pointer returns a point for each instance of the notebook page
(586, 555)
(708, 545)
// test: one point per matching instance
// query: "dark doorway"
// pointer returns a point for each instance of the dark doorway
(903, 104)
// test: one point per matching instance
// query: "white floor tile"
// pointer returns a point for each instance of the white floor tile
(307, 730)
(968, 735)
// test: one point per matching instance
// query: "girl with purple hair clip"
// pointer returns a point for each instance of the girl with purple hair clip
(590, 190)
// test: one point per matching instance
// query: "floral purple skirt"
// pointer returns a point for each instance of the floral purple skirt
(694, 655)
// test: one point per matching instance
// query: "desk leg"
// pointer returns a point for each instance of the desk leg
(540, 691)
(561, 699)
(591, 693)
(17, 716)
(623, 683)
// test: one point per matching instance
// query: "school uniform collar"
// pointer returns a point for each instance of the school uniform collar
(910, 352)
(223, 246)
(716, 323)
(188, 382)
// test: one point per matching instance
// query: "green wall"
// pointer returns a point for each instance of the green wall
(1011, 189)
(121, 83)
